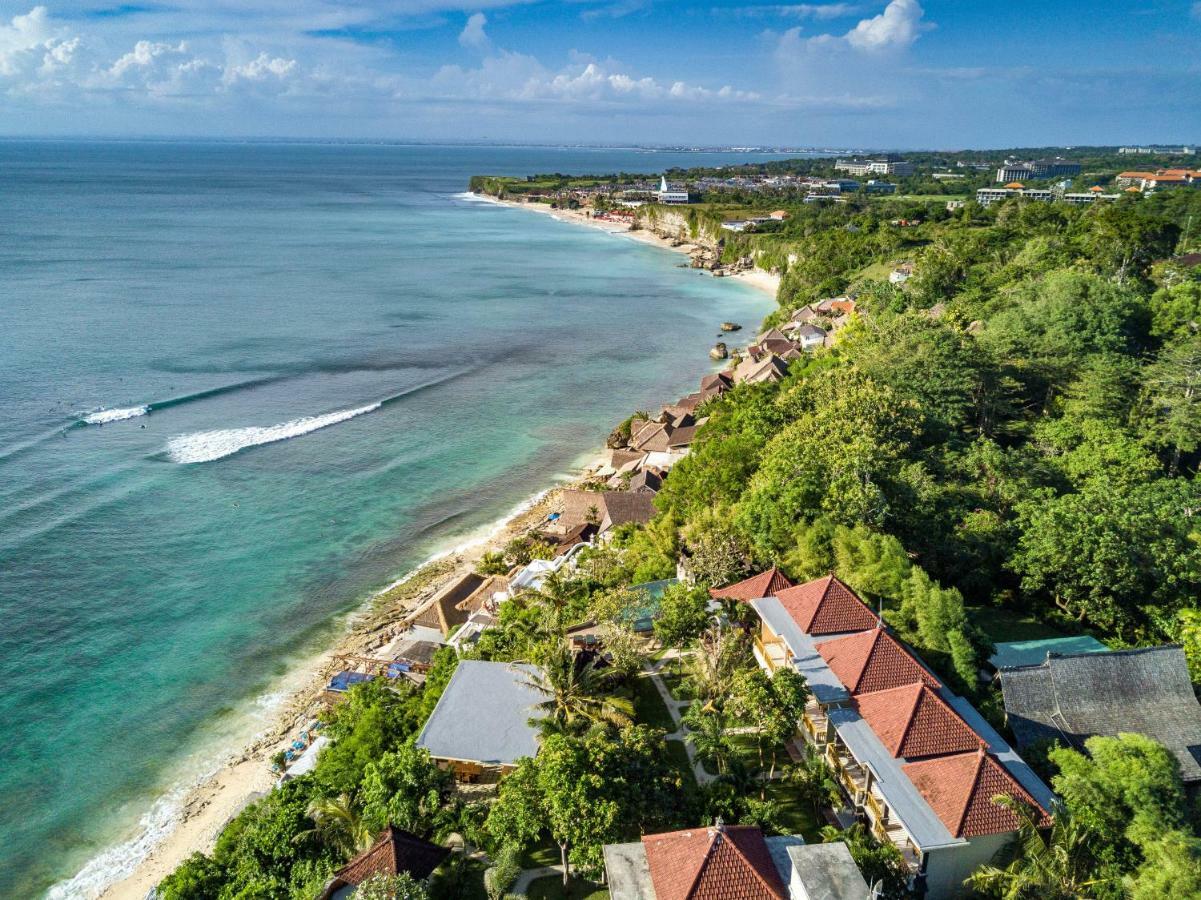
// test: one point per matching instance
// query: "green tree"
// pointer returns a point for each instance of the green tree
(404, 788)
(771, 706)
(339, 825)
(576, 697)
(683, 615)
(813, 781)
(1173, 386)
(401, 886)
(1058, 866)
(707, 729)
(1171, 868)
(199, 877)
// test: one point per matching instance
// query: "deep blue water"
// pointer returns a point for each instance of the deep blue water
(147, 600)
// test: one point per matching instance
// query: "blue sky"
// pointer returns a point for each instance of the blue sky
(883, 73)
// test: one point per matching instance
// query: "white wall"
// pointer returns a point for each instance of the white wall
(946, 869)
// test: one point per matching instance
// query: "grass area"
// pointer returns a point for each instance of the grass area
(679, 758)
(544, 853)
(672, 673)
(551, 888)
(796, 816)
(1002, 625)
(649, 707)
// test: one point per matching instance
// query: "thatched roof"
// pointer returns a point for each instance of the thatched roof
(1075, 697)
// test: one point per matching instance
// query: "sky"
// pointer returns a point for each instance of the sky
(886, 74)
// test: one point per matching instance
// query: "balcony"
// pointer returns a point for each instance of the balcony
(772, 654)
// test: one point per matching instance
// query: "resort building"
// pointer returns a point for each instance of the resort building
(917, 762)
(731, 862)
(988, 196)
(1073, 697)
(671, 194)
(481, 727)
(888, 166)
(1042, 168)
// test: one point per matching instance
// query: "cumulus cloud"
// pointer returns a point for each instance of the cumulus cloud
(30, 40)
(898, 26)
(473, 34)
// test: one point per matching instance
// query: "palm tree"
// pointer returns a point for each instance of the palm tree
(576, 698)
(1057, 867)
(712, 666)
(813, 780)
(707, 731)
(338, 824)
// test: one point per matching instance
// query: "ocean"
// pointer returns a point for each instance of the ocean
(242, 387)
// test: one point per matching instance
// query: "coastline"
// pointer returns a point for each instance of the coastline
(199, 811)
(190, 816)
(757, 278)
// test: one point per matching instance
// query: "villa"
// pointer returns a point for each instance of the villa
(917, 762)
(481, 727)
(393, 852)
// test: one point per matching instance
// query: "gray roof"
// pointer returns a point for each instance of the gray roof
(1031, 653)
(483, 715)
(805, 659)
(778, 847)
(1075, 697)
(627, 872)
(828, 872)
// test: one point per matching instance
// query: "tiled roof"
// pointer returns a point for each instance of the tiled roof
(826, 606)
(960, 789)
(394, 851)
(765, 584)
(914, 722)
(719, 863)
(872, 660)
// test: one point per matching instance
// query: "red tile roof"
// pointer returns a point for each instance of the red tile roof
(913, 722)
(826, 606)
(394, 851)
(765, 584)
(720, 863)
(960, 789)
(872, 660)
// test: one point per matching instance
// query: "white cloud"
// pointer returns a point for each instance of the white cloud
(262, 68)
(29, 40)
(898, 26)
(473, 34)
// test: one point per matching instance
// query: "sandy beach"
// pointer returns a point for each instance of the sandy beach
(765, 281)
(202, 811)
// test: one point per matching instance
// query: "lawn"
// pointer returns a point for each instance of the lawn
(545, 853)
(672, 673)
(796, 816)
(444, 886)
(679, 759)
(649, 707)
(1003, 625)
(551, 888)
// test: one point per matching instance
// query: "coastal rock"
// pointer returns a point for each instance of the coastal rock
(730, 326)
(719, 351)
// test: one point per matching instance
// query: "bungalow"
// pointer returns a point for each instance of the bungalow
(919, 763)
(605, 509)
(716, 384)
(480, 727)
(730, 862)
(1076, 696)
(765, 584)
(805, 315)
(442, 612)
(393, 852)
(836, 305)
(769, 370)
(810, 337)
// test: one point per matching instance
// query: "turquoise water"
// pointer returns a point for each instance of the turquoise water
(161, 572)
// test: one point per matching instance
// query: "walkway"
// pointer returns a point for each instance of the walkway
(674, 708)
(522, 885)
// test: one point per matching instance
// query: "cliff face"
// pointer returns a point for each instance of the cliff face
(674, 225)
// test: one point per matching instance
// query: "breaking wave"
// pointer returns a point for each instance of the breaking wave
(206, 446)
(104, 416)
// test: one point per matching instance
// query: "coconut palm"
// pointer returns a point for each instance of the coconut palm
(575, 694)
(338, 824)
(1056, 867)
(707, 731)
(711, 667)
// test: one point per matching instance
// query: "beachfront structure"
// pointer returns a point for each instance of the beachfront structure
(393, 852)
(730, 862)
(442, 612)
(890, 165)
(671, 194)
(605, 509)
(480, 727)
(917, 761)
(766, 370)
(1076, 696)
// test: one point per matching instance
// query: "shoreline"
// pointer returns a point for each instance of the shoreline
(189, 816)
(202, 808)
(757, 278)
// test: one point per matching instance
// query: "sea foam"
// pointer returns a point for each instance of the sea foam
(104, 416)
(206, 446)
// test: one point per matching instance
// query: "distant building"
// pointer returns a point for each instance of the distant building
(988, 196)
(1042, 168)
(670, 194)
(887, 166)
(901, 273)
(880, 187)
(1145, 151)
